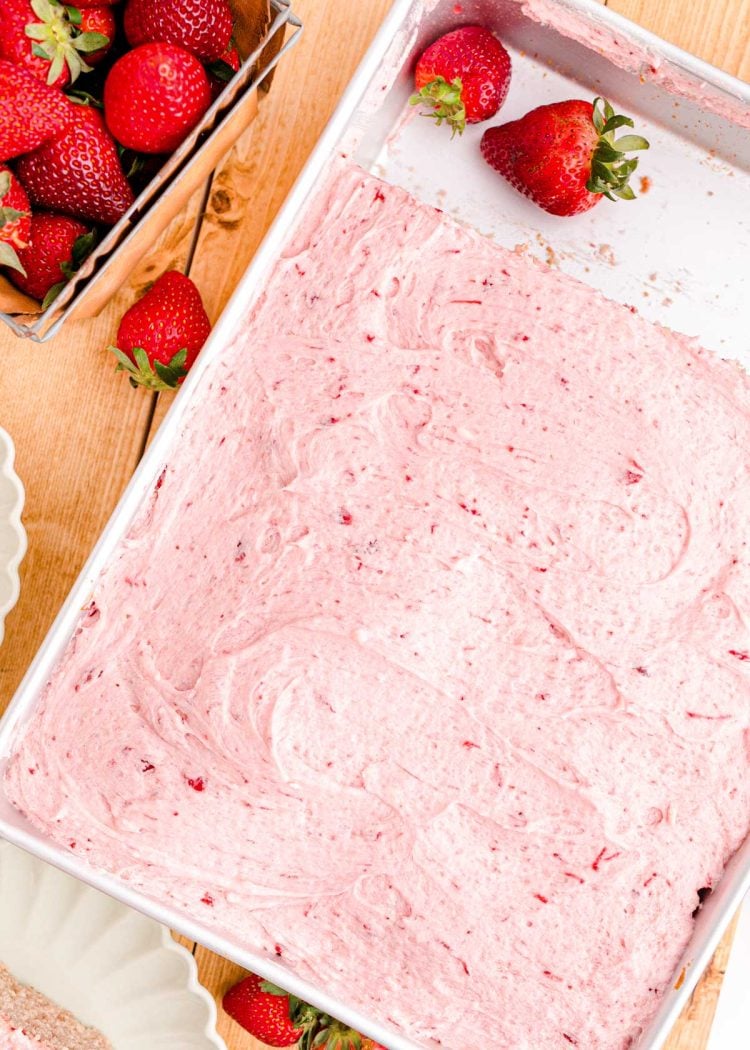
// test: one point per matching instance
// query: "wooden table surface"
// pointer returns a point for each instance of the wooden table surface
(80, 429)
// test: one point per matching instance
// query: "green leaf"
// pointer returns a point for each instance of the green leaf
(626, 143)
(445, 102)
(4, 183)
(83, 247)
(607, 153)
(124, 362)
(58, 63)
(221, 70)
(8, 257)
(42, 9)
(88, 42)
(36, 31)
(74, 16)
(141, 359)
(52, 294)
(624, 193)
(273, 989)
(8, 215)
(618, 121)
(84, 98)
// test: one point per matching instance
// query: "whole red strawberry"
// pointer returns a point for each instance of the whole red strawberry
(30, 112)
(268, 1013)
(15, 220)
(79, 172)
(203, 27)
(154, 96)
(57, 245)
(161, 335)
(463, 77)
(45, 37)
(99, 20)
(564, 156)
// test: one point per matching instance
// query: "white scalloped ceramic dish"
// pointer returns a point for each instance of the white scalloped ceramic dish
(111, 966)
(12, 534)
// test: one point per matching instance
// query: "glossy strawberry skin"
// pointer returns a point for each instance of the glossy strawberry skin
(30, 111)
(203, 27)
(481, 62)
(264, 1015)
(15, 232)
(79, 172)
(98, 20)
(547, 155)
(170, 317)
(16, 46)
(154, 96)
(50, 243)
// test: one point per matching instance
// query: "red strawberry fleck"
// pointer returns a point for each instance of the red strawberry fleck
(463, 77)
(197, 783)
(154, 96)
(79, 172)
(564, 156)
(161, 335)
(31, 113)
(203, 27)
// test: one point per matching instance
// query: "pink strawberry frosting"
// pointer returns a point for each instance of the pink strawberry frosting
(426, 666)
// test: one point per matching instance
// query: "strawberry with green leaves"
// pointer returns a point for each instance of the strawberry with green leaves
(78, 172)
(154, 96)
(57, 246)
(564, 156)
(269, 1014)
(15, 220)
(203, 27)
(49, 39)
(463, 77)
(161, 335)
(31, 113)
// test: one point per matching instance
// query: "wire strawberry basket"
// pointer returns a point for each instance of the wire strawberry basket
(105, 269)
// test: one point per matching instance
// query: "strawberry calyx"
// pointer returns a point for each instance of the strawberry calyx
(304, 1017)
(445, 101)
(10, 241)
(57, 39)
(156, 376)
(610, 167)
(82, 248)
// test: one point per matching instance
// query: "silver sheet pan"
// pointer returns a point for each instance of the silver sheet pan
(680, 255)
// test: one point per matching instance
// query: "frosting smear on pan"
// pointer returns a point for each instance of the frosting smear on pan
(425, 669)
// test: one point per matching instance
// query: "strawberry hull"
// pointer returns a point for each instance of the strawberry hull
(264, 30)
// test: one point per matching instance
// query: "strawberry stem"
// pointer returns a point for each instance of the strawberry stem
(610, 167)
(445, 102)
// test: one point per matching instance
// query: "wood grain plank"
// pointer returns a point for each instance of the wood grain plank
(79, 430)
(693, 1029)
(715, 30)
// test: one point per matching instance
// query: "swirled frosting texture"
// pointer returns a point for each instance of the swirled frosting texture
(426, 665)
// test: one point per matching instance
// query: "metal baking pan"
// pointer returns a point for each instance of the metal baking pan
(187, 158)
(679, 254)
